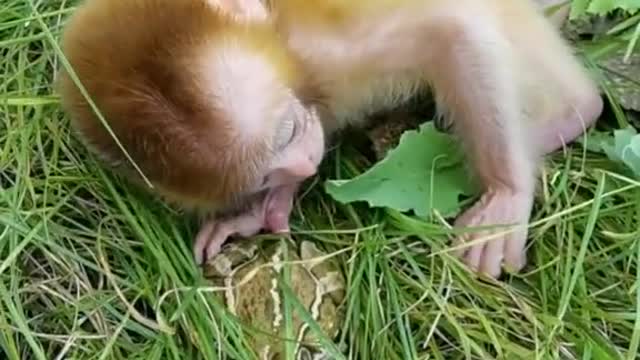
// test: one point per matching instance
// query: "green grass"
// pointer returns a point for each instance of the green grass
(90, 268)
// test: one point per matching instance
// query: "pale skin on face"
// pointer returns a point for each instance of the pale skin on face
(297, 162)
(476, 61)
(270, 213)
(297, 140)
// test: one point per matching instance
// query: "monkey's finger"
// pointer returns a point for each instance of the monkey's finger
(218, 237)
(515, 256)
(491, 262)
(202, 238)
(474, 255)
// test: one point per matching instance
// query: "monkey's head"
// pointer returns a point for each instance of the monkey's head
(206, 99)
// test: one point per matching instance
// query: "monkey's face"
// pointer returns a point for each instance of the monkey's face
(299, 151)
(297, 147)
(277, 139)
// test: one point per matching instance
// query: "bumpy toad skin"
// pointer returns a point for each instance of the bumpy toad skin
(258, 302)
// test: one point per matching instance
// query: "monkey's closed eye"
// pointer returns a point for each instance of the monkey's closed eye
(286, 130)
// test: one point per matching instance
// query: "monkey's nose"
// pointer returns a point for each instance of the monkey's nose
(307, 167)
(300, 167)
(313, 160)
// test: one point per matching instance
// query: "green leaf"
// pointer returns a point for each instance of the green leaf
(625, 148)
(578, 8)
(602, 7)
(594, 140)
(425, 172)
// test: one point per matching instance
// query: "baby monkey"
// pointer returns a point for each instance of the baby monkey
(226, 105)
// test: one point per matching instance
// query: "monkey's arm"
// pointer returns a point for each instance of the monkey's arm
(474, 83)
(496, 113)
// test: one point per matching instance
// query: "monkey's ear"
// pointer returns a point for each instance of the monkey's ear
(248, 9)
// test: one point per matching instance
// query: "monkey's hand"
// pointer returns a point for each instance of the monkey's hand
(491, 249)
(270, 213)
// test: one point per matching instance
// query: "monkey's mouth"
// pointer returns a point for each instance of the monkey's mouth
(268, 210)
(277, 207)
